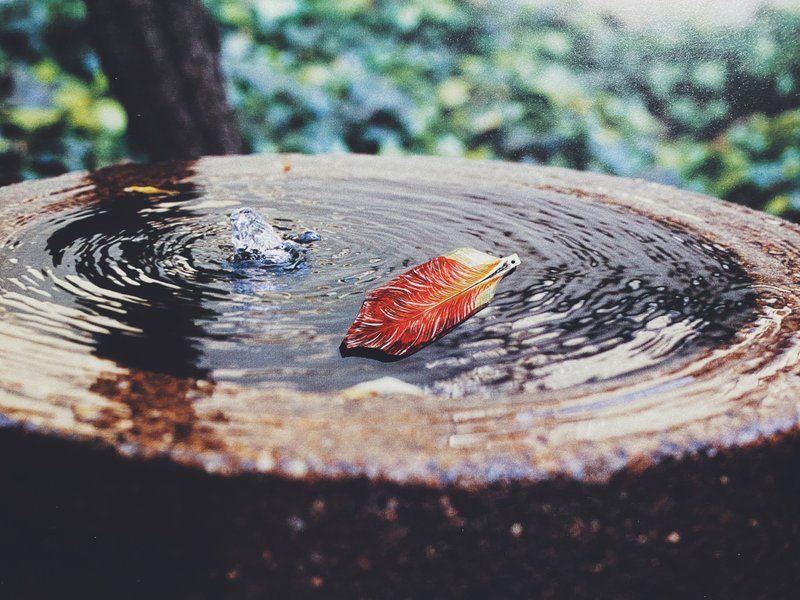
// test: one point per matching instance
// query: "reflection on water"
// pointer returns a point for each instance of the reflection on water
(144, 280)
(108, 257)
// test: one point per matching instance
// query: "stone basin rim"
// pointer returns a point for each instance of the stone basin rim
(462, 449)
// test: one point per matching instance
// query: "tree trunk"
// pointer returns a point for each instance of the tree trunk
(162, 61)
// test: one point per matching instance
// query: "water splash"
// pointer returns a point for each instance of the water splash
(251, 232)
(255, 240)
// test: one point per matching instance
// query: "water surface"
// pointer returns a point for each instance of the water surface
(146, 280)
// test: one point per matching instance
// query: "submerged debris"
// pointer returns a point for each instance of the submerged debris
(384, 386)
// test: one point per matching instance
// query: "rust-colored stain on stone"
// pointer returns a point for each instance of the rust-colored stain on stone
(161, 410)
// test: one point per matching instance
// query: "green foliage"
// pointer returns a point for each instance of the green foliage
(713, 109)
(754, 160)
(55, 111)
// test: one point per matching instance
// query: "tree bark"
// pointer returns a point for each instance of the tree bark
(161, 58)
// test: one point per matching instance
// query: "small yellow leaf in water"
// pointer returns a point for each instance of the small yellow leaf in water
(148, 189)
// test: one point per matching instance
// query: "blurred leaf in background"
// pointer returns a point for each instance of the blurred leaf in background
(756, 162)
(712, 108)
(55, 111)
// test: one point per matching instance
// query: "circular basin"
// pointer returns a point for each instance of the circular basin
(644, 351)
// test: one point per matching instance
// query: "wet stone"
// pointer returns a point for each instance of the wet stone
(604, 422)
(622, 314)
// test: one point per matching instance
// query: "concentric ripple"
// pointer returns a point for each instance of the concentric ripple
(144, 280)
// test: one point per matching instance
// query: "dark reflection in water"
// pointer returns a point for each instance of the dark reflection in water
(111, 245)
(601, 292)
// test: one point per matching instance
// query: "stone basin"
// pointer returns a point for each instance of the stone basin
(201, 437)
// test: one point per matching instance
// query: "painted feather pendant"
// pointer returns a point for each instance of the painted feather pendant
(421, 305)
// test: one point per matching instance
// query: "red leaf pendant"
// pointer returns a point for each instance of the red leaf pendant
(421, 305)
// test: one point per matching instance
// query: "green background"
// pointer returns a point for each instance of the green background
(709, 108)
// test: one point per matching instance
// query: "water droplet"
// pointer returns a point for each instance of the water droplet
(306, 237)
